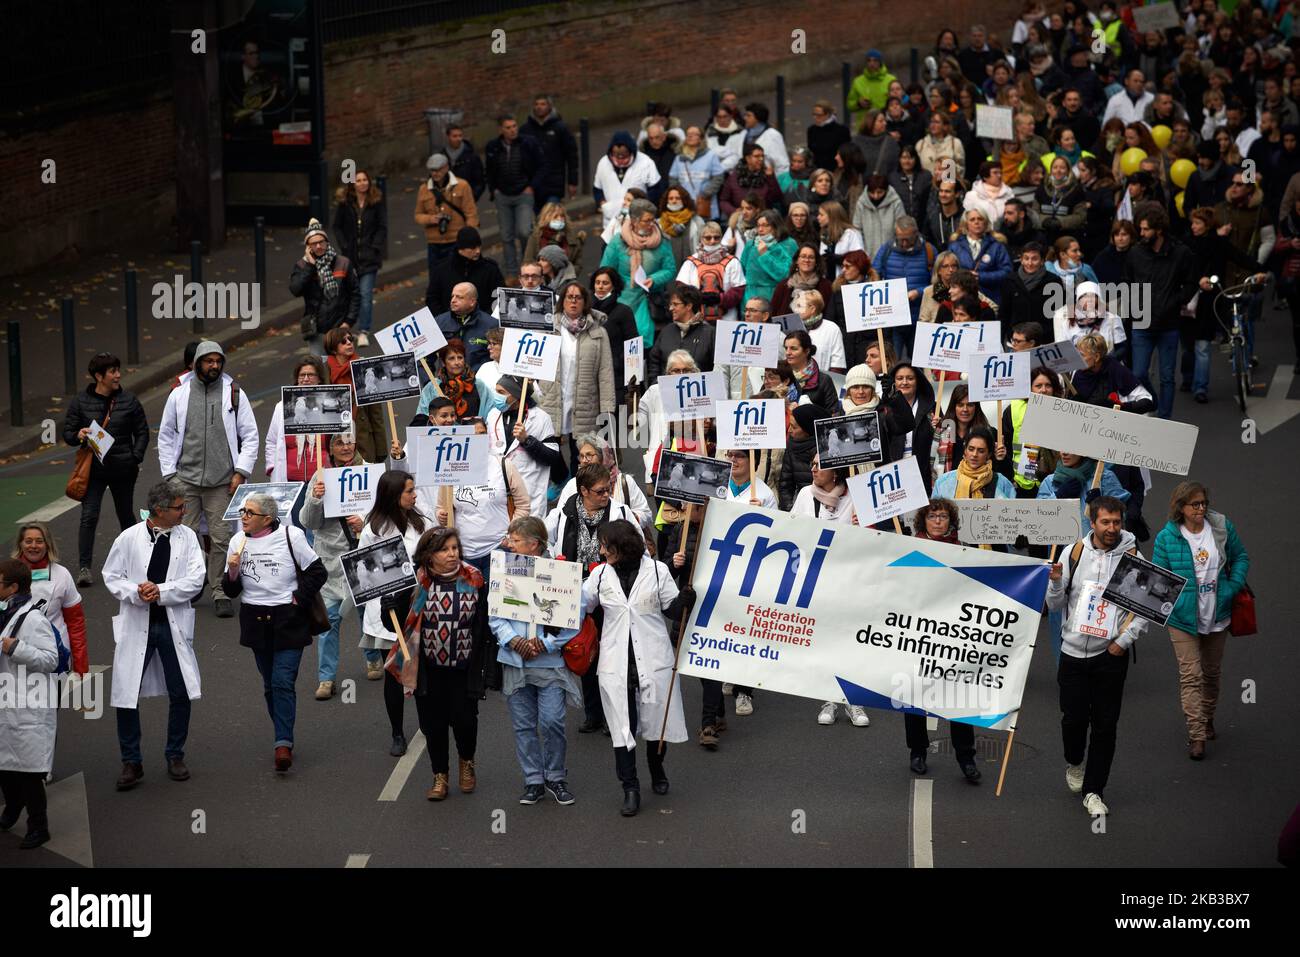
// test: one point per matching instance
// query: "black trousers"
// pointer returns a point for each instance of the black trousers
(714, 708)
(446, 704)
(918, 738)
(1092, 690)
(26, 789)
(395, 703)
(592, 708)
(625, 758)
(1293, 300)
(122, 485)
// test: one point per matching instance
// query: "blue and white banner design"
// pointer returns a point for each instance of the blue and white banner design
(838, 613)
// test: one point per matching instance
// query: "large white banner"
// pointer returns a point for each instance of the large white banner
(1000, 521)
(530, 354)
(417, 333)
(998, 376)
(875, 305)
(1120, 438)
(746, 344)
(948, 346)
(837, 613)
(691, 396)
(750, 423)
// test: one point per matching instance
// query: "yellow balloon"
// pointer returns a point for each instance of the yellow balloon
(1178, 201)
(1162, 135)
(1181, 172)
(1130, 161)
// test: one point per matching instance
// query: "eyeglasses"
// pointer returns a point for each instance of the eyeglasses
(251, 514)
(604, 490)
(172, 508)
(1198, 505)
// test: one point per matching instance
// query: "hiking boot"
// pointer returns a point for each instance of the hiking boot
(440, 788)
(467, 780)
(709, 738)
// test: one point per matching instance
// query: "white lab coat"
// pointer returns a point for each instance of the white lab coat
(642, 174)
(536, 475)
(637, 618)
(27, 733)
(372, 621)
(127, 567)
(241, 429)
(635, 498)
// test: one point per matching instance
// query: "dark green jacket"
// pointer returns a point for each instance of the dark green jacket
(1171, 551)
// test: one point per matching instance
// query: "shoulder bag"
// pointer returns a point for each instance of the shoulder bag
(314, 611)
(79, 483)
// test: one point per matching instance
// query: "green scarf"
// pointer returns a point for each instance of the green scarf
(1083, 473)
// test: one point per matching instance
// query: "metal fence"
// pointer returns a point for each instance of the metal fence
(350, 19)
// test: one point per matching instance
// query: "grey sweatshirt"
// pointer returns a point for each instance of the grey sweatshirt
(205, 453)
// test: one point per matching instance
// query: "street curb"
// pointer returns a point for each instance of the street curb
(28, 438)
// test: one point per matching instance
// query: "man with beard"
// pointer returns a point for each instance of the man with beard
(1017, 230)
(208, 442)
(1076, 114)
(750, 177)
(327, 283)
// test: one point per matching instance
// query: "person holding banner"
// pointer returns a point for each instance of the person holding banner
(897, 420)
(1106, 381)
(826, 336)
(583, 389)
(367, 420)
(814, 385)
(1094, 662)
(800, 450)
(396, 512)
(515, 437)
(738, 483)
(278, 574)
(635, 670)
(451, 664)
(536, 684)
(1027, 464)
(951, 432)
(292, 458)
(1202, 546)
(916, 390)
(974, 476)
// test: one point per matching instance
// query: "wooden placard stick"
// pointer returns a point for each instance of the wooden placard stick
(401, 637)
(681, 625)
(447, 497)
(884, 359)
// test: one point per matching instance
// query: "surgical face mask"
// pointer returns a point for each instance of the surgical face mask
(674, 207)
(4, 604)
(497, 401)
(711, 247)
(556, 225)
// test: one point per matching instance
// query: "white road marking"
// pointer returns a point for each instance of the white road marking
(48, 513)
(405, 765)
(257, 402)
(357, 860)
(921, 851)
(1277, 409)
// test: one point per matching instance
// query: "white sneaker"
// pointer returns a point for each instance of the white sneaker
(728, 688)
(827, 714)
(858, 715)
(363, 340)
(1093, 804)
(1074, 778)
(744, 704)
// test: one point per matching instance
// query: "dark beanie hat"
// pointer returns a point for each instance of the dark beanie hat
(806, 415)
(468, 238)
(512, 384)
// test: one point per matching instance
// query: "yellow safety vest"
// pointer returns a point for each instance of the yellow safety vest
(1018, 409)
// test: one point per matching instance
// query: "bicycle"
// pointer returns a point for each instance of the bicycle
(1236, 332)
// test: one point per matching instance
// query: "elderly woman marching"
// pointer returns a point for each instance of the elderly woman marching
(536, 684)
(635, 667)
(278, 574)
(27, 733)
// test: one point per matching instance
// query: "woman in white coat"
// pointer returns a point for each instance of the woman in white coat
(594, 450)
(141, 666)
(27, 647)
(635, 667)
(292, 458)
(531, 444)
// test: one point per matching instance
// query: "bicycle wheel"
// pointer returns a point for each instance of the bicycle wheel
(1241, 373)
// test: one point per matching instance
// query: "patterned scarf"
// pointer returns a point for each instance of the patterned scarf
(329, 286)
(588, 540)
(468, 586)
(748, 179)
(456, 389)
(577, 326)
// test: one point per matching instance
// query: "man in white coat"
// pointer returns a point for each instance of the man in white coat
(27, 723)
(210, 461)
(154, 569)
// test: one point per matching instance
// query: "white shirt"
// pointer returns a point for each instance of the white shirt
(849, 242)
(766, 499)
(805, 504)
(1205, 559)
(59, 592)
(569, 372)
(828, 339)
(265, 566)
(1121, 106)
(536, 475)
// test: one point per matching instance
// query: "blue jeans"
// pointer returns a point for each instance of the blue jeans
(327, 643)
(279, 670)
(178, 710)
(534, 710)
(1145, 344)
(515, 217)
(366, 290)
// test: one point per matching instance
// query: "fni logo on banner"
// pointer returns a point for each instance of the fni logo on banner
(633, 360)
(751, 424)
(876, 305)
(530, 354)
(417, 333)
(948, 346)
(746, 344)
(997, 376)
(691, 396)
(888, 491)
(452, 460)
(351, 489)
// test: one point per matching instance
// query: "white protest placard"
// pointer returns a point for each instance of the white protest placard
(691, 396)
(1000, 521)
(351, 490)
(530, 354)
(417, 333)
(948, 346)
(633, 360)
(994, 122)
(750, 423)
(1120, 438)
(792, 604)
(1156, 16)
(443, 459)
(100, 441)
(875, 305)
(756, 344)
(1061, 357)
(888, 491)
(539, 590)
(998, 376)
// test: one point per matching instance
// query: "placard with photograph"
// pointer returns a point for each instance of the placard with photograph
(316, 409)
(691, 479)
(1147, 590)
(385, 378)
(285, 495)
(526, 309)
(540, 590)
(848, 440)
(378, 569)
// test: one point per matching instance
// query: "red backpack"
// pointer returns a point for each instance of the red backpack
(710, 278)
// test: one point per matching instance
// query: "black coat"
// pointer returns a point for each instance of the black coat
(533, 157)
(1212, 253)
(559, 154)
(1173, 278)
(824, 141)
(128, 427)
(796, 470)
(620, 323)
(821, 392)
(469, 167)
(698, 341)
(305, 282)
(1020, 304)
(483, 272)
(364, 245)
(916, 198)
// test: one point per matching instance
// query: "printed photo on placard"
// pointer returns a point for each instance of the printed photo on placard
(316, 409)
(1147, 590)
(385, 378)
(526, 309)
(691, 479)
(378, 569)
(541, 590)
(848, 440)
(285, 495)
(417, 333)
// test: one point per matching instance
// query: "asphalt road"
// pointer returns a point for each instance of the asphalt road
(780, 791)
